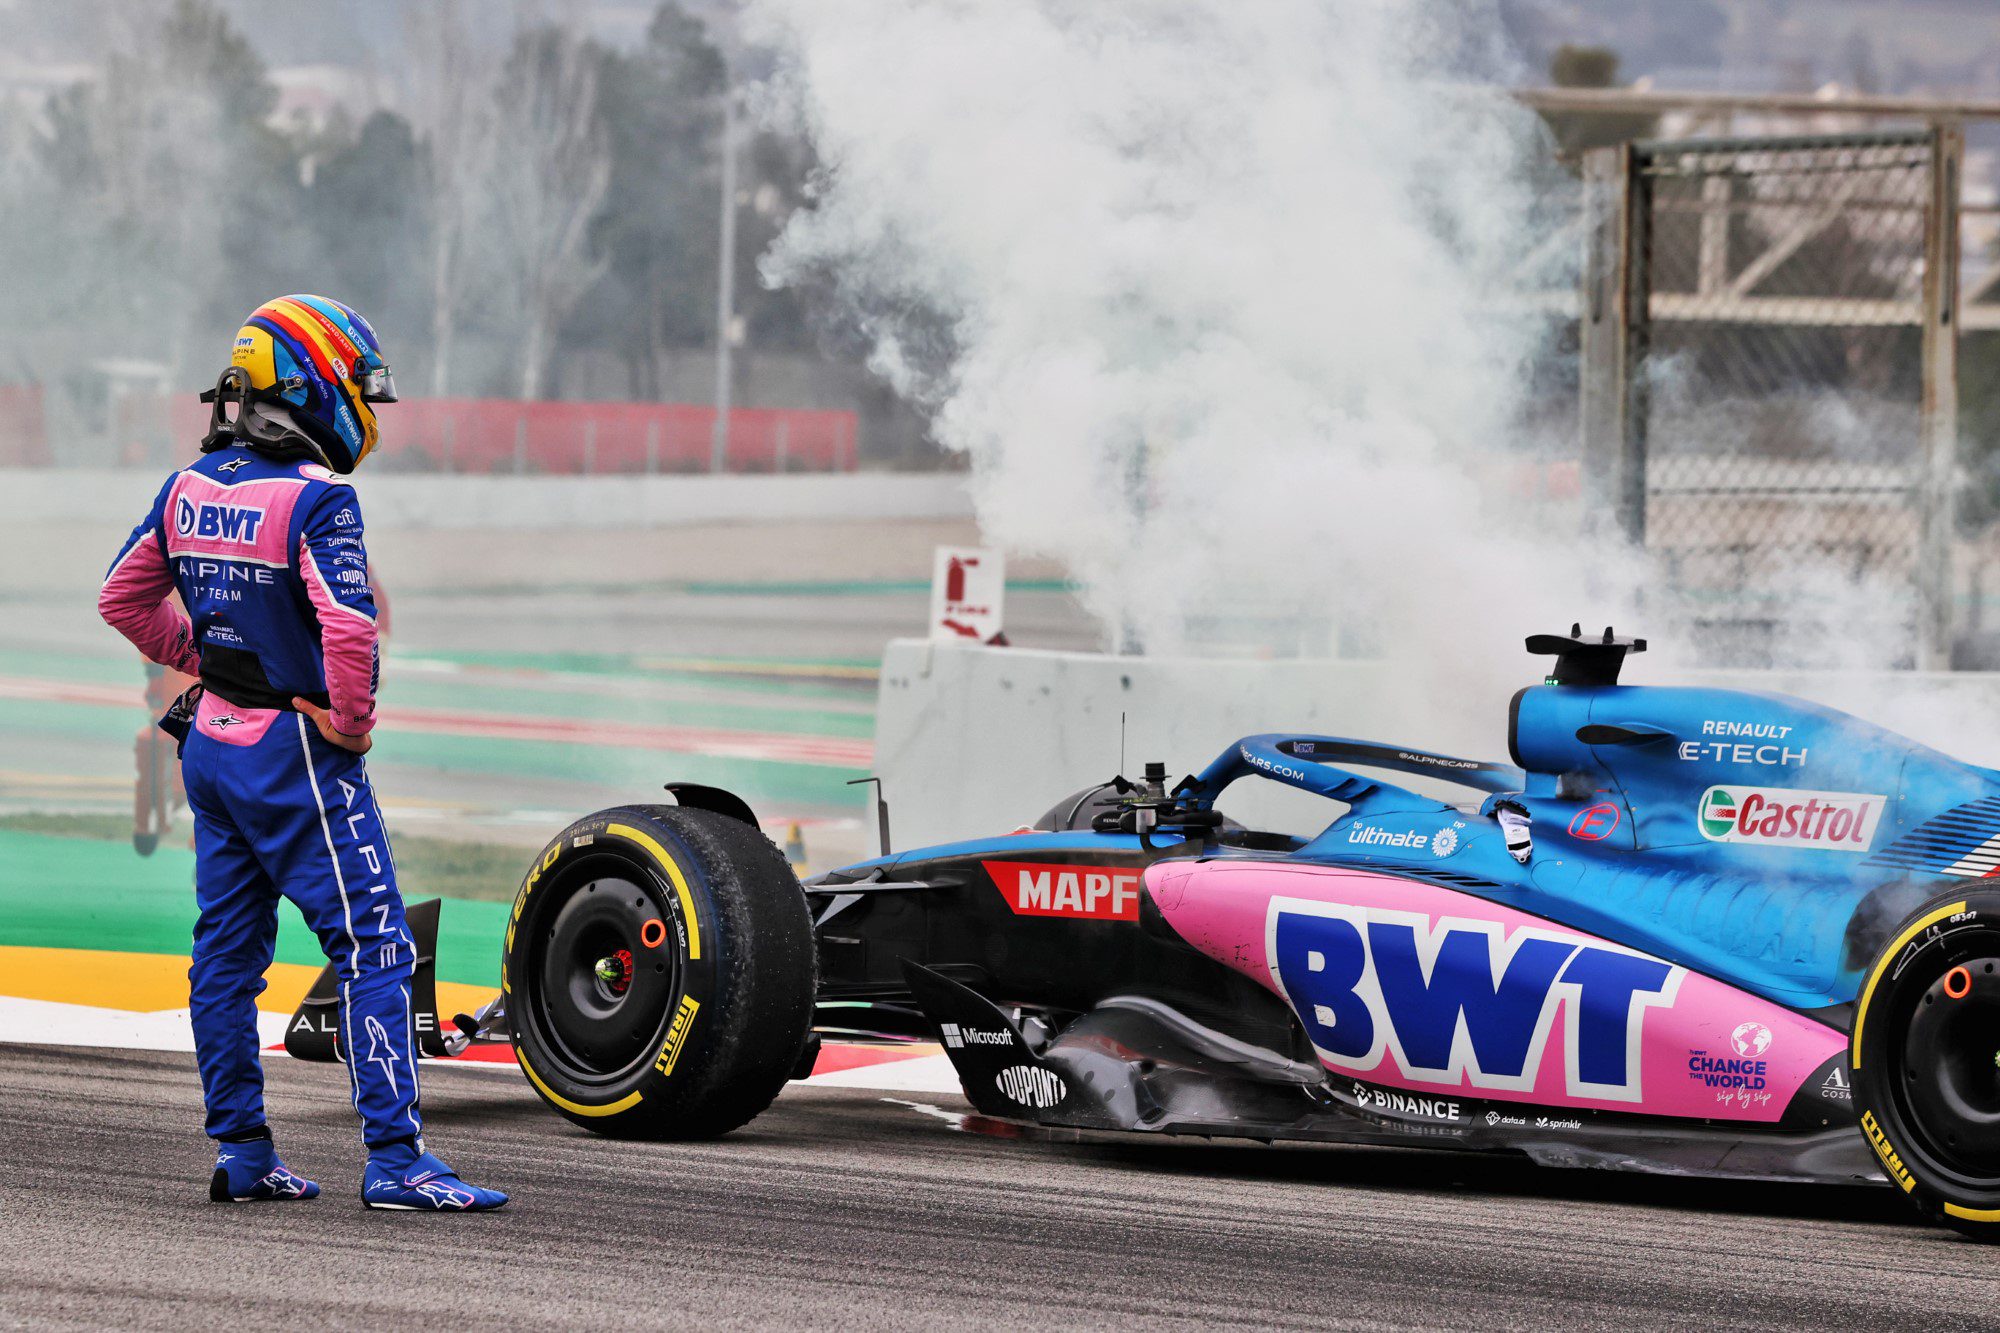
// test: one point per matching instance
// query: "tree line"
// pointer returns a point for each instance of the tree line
(496, 207)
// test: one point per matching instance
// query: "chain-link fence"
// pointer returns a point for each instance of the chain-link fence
(1777, 425)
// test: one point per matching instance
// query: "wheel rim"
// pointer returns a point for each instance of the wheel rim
(1948, 1067)
(608, 973)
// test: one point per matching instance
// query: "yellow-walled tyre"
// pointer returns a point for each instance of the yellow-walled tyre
(659, 973)
(1925, 1057)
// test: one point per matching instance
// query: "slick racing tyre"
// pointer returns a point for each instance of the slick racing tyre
(660, 973)
(1926, 1060)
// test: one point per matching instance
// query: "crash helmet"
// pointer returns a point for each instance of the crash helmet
(304, 375)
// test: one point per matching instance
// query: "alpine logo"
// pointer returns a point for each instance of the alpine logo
(237, 524)
(1028, 1085)
(1832, 821)
(958, 1037)
(1097, 893)
(1464, 1002)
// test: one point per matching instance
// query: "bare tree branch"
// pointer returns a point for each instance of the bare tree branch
(548, 185)
(453, 82)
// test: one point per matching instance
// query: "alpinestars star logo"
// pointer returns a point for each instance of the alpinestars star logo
(443, 1195)
(226, 721)
(283, 1184)
(440, 1191)
(233, 464)
(381, 1051)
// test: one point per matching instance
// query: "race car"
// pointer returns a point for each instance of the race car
(1684, 930)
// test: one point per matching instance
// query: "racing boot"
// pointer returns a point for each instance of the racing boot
(404, 1177)
(252, 1172)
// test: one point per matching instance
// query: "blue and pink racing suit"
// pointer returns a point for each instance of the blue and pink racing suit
(268, 559)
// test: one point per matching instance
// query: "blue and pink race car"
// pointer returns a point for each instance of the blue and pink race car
(1684, 930)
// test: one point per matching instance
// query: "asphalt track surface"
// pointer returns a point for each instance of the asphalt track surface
(843, 1207)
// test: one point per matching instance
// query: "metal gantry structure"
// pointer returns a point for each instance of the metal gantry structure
(1768, 333)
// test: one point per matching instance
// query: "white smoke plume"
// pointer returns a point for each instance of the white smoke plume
(1219, 298)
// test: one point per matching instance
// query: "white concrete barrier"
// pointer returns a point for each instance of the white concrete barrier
(974, 740)
(979, 740)
(406, 500)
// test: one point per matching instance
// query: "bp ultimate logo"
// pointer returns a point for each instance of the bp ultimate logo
(1832, 821)
(1462, 1000)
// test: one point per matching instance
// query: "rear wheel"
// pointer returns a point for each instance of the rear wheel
(659, 973)
(1926, 1061)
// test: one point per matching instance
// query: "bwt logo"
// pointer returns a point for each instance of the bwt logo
(237, 524)
(1459, 998)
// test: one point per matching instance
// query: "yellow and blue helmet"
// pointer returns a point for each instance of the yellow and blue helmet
(310, 364)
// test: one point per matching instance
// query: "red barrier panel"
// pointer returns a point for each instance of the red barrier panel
(501, 435)
(24, 429)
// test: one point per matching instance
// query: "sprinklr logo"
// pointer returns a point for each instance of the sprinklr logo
(1832, 821)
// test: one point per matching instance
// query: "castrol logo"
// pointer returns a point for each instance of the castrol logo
(1831, 821)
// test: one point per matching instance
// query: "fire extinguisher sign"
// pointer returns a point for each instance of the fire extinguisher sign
(968, 588)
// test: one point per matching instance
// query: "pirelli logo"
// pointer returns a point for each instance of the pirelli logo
(1885, 1150)
(677, 1035)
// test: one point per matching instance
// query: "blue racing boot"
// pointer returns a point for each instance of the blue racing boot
(252, 1173)
(399, 1176)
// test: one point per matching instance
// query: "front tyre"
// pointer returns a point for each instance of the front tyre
(1926, 1061)
(659, 973)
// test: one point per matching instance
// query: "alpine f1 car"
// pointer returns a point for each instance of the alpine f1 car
(1685, 930)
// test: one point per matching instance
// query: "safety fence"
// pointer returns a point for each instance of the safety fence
(1769, 372)
(488, 435)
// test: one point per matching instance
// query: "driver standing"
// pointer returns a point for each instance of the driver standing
(263, 541)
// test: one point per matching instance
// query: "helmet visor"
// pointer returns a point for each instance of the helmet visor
(378, 385)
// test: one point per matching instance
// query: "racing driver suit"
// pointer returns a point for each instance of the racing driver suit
(267, 556)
